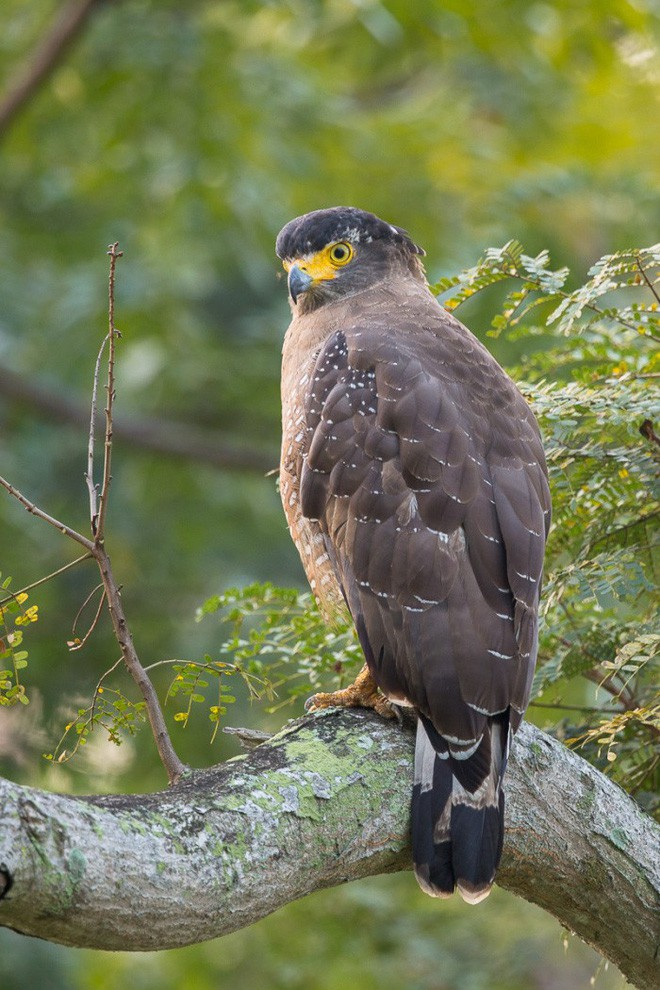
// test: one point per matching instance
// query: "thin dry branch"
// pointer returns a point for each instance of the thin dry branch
(89, 474)
(113, 333)
(49, 577)
(98, 504)
(96, 547)
(40, 514)
(77, 642)
(45, 58)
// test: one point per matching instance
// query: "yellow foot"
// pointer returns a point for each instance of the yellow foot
(362, 693)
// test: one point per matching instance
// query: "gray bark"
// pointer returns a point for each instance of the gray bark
(323, 802)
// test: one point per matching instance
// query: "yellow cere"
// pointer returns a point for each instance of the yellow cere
(324, 264)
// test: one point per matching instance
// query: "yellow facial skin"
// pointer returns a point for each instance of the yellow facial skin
(325, 264)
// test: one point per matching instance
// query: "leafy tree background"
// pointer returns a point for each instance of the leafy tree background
(191, 133)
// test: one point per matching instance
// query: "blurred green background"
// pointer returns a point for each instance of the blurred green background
(191, 133)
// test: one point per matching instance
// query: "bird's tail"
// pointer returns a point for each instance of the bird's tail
(458, 810)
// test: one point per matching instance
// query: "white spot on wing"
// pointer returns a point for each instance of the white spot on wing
(526, 577)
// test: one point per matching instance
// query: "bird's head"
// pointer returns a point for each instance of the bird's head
(330, 254)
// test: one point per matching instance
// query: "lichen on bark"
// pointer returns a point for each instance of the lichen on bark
(324, 801)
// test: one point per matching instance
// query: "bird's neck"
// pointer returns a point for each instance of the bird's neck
(308, 331)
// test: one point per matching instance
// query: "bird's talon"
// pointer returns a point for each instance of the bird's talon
(361, 694)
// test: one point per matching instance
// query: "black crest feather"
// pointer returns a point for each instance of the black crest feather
(312, 231)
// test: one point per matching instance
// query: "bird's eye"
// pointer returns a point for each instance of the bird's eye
(341, 253)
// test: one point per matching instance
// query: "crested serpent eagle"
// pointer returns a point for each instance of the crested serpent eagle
(415, 488)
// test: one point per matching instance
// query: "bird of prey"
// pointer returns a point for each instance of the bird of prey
(415, 489)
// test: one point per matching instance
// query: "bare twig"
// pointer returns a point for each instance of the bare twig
(89, 474)
(35, 584)
(96, 548)
(163, 436)
(113, 333)
(112, 594)
(40, 514)
(41, 63)
(77, 643)
(641, 776)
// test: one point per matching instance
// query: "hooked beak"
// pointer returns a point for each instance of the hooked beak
(299, 282)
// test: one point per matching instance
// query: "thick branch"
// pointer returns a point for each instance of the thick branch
(323, 802)
(163, 436)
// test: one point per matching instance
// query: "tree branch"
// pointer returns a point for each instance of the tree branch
(111, 591)
(162, 436)
(173, 765)
(92, 488)
(323, 802)
(40, 514)
(98, 524)
(43, 61)
(12, 596)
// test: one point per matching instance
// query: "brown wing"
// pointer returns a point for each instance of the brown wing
(425, 470)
